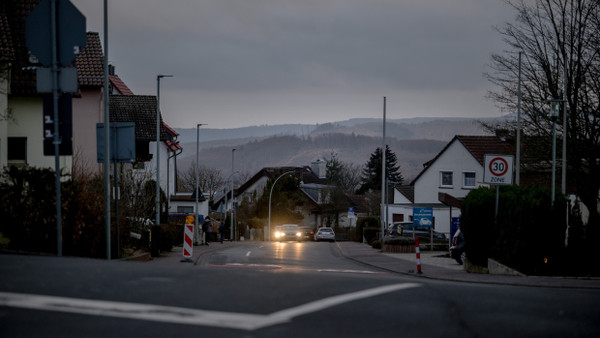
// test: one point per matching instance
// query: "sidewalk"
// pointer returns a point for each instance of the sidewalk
(435, 266)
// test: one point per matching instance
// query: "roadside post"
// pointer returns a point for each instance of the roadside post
(418, 251)
(188, 232)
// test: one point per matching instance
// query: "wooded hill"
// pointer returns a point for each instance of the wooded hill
(414, 143)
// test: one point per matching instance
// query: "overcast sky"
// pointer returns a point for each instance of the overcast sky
(253, 62)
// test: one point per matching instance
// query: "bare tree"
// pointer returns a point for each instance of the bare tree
(209, 180)
(553, 35)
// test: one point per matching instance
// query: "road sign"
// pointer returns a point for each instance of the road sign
(423, 217)
(498, 169)
(70, 32)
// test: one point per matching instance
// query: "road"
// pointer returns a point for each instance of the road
(259, 289)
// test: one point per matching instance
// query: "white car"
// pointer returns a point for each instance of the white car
(325, 234)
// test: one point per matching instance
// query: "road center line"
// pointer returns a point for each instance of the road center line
(179, 315)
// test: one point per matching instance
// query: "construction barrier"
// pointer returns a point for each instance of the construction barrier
(188, 247)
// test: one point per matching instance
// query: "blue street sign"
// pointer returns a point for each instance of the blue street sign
(423, 217)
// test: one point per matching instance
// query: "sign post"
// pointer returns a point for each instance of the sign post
(498, 170)
(54, 33)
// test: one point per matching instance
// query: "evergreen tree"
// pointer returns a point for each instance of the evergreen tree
(371, 175)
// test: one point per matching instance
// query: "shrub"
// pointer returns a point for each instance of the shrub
(367, 227)
(528, 232)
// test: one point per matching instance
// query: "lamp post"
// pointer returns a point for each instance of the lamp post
(158, 77)
(271, 194)
(555, 104)
(232, 200)
(197, 179)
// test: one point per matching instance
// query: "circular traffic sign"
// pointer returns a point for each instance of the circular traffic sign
(498, 166)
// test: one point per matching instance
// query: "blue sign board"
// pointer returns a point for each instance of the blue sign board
(423, 217)
(454, 226)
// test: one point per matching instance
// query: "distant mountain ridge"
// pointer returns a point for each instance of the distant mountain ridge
(414, 141)
(374, 125)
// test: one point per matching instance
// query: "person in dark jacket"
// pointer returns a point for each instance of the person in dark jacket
(205, 226)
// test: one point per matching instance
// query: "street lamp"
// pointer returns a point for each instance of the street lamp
(158, 77)
(197, 179)
(231, 236)
(271, 194)
(554, 112)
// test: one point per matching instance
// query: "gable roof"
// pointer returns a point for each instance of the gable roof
(407, 191)
(90, 62)
(119, 85)
(477, 146)
(140, 109)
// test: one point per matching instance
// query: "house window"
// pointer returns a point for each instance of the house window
(446, 179)
(17, 150)
(185, 209)
(468, 180)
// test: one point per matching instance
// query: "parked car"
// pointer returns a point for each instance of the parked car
(457, 250)
(407, 229)
(325, 234)
(288, 232)
(308, 234)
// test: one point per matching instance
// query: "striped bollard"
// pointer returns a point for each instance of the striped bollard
(418, 251)
(188, 248)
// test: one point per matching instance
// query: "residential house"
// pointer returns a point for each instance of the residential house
(446, 180)
(21, 120)
(22, 107)
(313, 186)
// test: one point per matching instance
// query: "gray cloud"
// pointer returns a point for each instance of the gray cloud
(289, 60)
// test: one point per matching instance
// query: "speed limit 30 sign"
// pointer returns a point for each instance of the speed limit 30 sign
(498, 169)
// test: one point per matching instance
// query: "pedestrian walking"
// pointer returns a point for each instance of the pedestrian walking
(205, 226)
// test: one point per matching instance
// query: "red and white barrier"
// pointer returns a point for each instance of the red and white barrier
(188, 248)
(418, 251)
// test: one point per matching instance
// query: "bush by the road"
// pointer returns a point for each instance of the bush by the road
(528, 233)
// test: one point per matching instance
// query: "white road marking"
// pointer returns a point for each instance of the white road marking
(179, 315)
(247, 253)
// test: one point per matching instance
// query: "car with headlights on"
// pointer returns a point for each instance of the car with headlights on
(288, 232)
(325, 234)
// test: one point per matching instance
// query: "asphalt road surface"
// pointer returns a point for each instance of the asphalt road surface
(271, 289)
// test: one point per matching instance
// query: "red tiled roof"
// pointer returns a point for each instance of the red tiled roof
(478, 146)
(119, 85)
(90, 62)
(173, 146)
(171, 130)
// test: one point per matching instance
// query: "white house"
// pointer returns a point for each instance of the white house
(446, 180)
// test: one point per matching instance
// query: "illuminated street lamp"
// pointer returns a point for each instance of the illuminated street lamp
(271, 194)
